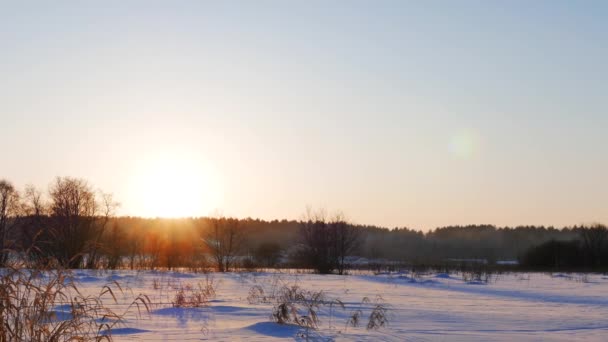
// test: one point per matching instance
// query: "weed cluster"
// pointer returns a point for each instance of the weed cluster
(195, 296)
(296, 305)
(378, 317)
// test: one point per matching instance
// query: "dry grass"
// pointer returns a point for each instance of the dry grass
(46, 305)
(257, 295)
(296, 305)
(378, 318)
(190, 296)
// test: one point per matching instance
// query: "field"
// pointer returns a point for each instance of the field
(426, 307)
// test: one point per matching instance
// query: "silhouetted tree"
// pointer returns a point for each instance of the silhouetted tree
(74, 211)
(318, 241)
(10, 210)
(32, 226)
(224, 239)
(328, 243)
(106, 212)
(346, 238)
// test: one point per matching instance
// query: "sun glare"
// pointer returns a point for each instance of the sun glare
(176, 187)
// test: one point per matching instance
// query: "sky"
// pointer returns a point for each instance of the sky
(396, 113)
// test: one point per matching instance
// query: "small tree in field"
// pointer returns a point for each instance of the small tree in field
(318, 242)
(346, 238)
(224, 240)
(327, 243)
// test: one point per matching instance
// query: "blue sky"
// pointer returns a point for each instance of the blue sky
(397, 113)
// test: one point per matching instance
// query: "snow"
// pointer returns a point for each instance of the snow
(431, 307)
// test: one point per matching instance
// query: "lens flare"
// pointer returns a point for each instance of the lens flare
(464, 145)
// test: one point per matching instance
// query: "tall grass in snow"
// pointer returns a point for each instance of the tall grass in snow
(45, 304)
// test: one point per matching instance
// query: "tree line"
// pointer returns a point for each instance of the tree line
(75, 226)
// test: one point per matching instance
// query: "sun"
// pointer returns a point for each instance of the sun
(175, 186)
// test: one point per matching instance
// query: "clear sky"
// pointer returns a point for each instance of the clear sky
(398, 113)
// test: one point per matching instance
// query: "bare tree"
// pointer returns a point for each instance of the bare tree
(108, 206)
(224, 239)
(10, 209)
(34, 219)
(346, 238)
(328, 243)
(33, 203)
(318, 241)
(74, 212)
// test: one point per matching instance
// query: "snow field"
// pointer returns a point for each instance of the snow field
(431, 307)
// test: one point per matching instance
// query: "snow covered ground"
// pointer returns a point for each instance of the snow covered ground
(433, 307)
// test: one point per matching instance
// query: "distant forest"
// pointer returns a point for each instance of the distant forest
(74, 226)
(398, 244)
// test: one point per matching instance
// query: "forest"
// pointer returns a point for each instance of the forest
(75, 226)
